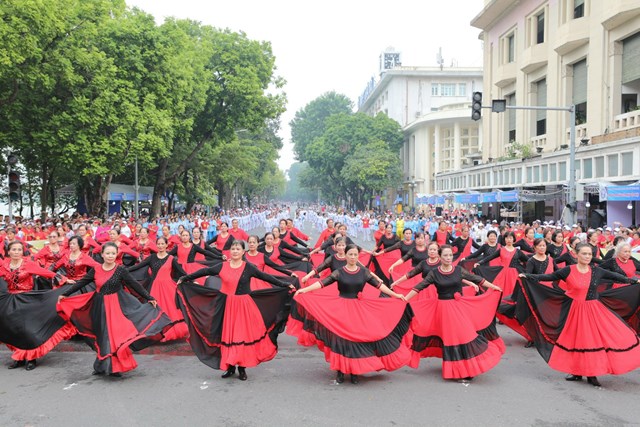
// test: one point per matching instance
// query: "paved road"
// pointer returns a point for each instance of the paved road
(297, 388)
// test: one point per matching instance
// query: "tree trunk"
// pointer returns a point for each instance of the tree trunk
(44, 194)
(159, 188)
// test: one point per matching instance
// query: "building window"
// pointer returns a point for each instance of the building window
(579, 96)
(627, 163)
(587, 168)
(552, 173)
(511, 48)
(599, 167)
(612, 163)
(578, 9)
(462, 89)
(435, 89)
(540, 28)
(541, 115)
(448, 89)
(545, 173)
(562, 170)
(511, 118)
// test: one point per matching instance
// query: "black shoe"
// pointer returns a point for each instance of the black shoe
(465, 380)
(594, 381)
(354, 379)
(97, 373)
(339, 377)
(17, 364)
(573, 377)
(31, 365)
(115, 375)
(242, 374)
(230, 371)
(529, 344)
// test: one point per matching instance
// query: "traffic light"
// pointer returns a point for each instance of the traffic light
(476, 106)
(14, 179)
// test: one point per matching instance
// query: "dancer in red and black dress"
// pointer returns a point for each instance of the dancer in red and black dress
(381, 261)
(90, 245)
(186, 252)
(622, 262)
(581, 331)
(441, 236)
(223, 240)
(487, 249)
(29, 324)
(451, 326)
(526, 243)
(51, 253)
(75, 262)
(264, 263)
(123, 249)
(113, 319)
(357, 334)
(233, 326)
(570, 257)
(143, 244)
(462, 245)
(419, 272)
(512, 263)
(163, 270)
(282, 253)
(556, 247)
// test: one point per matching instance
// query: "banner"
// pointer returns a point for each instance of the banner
(620, 193)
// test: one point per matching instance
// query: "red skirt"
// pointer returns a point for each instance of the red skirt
(116, 323)
(381, 263)
(229, 330)
(356, 335)
(164, 291)
(455, 330)
(595, 341)
(407, 286)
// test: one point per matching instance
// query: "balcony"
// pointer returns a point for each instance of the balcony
(539, 142)
(618, 12)
(626, 121)
(506, 74)
(581, 132)
(572, 35)
(534, 57)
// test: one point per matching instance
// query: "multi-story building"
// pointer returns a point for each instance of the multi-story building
(432, 105)
(558, 53)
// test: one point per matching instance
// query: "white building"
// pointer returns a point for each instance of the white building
(432, 104)
(558, 53)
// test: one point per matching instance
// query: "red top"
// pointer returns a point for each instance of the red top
(46, 256)
(76, 269)
(238, 234)
(21, 279)
(230, 277)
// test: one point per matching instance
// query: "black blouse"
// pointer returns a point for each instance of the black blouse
(449, 283)
(350, 283)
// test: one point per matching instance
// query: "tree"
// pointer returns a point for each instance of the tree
(309, 123)
(238, 73)
(345, 136)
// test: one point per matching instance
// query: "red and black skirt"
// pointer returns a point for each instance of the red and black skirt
(229, 330)
(584, 337)
(356, 335)
(461, 331)
(115, 324)
(29, 323)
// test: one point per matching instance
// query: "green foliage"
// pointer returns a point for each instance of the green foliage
(86, 87)
(356, 155)
(309, 123)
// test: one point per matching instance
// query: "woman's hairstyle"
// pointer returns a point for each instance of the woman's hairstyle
(619, 247)
(109, 245)
(351, 246)
(539, 240)
(443, 247)
(78, 239)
